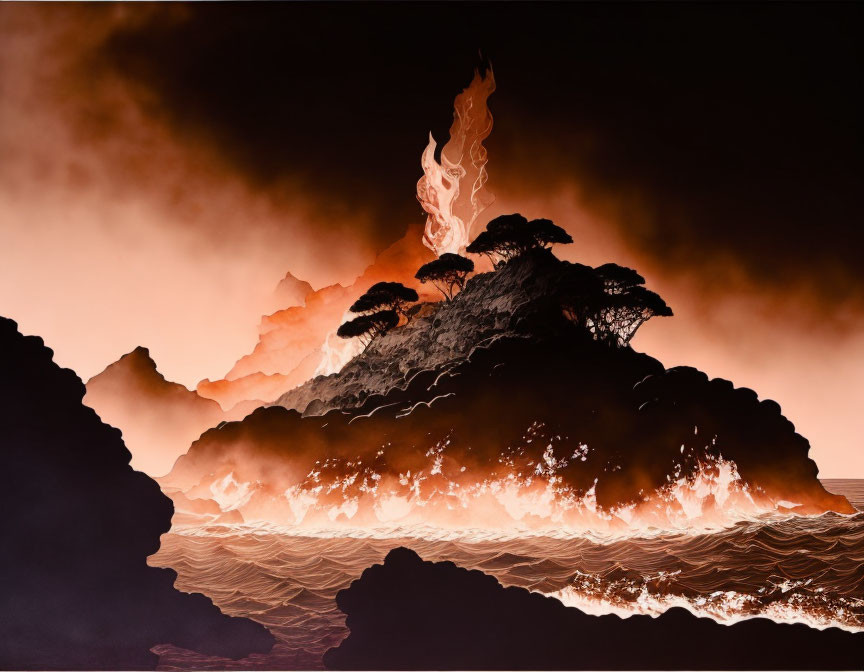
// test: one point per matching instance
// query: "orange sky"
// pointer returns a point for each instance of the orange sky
(115, 232)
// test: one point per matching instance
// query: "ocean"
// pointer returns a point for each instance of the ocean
(789, 568)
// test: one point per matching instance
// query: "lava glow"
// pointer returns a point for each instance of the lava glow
(366, 502)
(452, 208)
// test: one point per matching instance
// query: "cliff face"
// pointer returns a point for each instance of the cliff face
(494, 410)
(159, 419)
(412, 615)
(78, 525)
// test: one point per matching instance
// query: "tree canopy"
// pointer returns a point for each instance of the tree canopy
(385, 296)
(510, 236)
(609, 301)
(367, 327)
(446, 273)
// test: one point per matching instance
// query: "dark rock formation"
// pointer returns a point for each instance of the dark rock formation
(78, 525)
(500, 385)
(412, 615)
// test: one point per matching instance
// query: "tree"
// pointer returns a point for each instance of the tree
(609, 301)
(547, 234)
(447, 272)
(510, 236)
(367, 327)
(623, 313)
(385, 296)
(582, 292)
(618, 279)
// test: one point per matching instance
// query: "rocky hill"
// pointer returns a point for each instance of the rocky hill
(497, 409)
(519, 300)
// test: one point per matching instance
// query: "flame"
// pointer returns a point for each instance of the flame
(452, 211)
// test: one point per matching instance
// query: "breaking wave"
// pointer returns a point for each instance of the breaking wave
(794, 569)
(532, 499)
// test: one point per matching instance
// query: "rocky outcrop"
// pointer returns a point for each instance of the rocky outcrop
(159, 419)
(408, 614)
(78, 525)
(517, 300)
(496, 409)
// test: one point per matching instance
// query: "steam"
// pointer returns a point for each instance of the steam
(337, 352)
(351, 497)
(451, 210)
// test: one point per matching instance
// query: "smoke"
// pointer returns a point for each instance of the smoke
(146, 197)
(120, 232)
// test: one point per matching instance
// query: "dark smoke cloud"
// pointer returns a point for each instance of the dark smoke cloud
(718, 132)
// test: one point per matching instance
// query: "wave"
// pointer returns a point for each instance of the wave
(792, 569)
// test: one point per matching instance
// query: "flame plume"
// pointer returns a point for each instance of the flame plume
(451, 210)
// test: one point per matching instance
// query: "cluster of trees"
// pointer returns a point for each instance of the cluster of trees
(379, 310)
(609, 301)
(509, 236)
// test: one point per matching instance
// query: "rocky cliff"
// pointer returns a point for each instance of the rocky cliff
(78, 526)
(496, 409)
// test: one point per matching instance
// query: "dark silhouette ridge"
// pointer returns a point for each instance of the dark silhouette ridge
(408, 614)
(78, 525)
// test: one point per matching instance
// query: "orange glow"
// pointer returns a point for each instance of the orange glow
(118, 231)
(470, 503)
(299, 343)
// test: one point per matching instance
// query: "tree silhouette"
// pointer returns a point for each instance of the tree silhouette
(385, 296)
(583, 293)
(447, 272)
(609, 301)
(366, 327)
(625, 312)
(618, 279)
(510, 236)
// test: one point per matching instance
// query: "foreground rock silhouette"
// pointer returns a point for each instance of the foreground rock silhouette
(78, 525)
(408, 614)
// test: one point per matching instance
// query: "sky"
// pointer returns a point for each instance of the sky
(165, 165)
